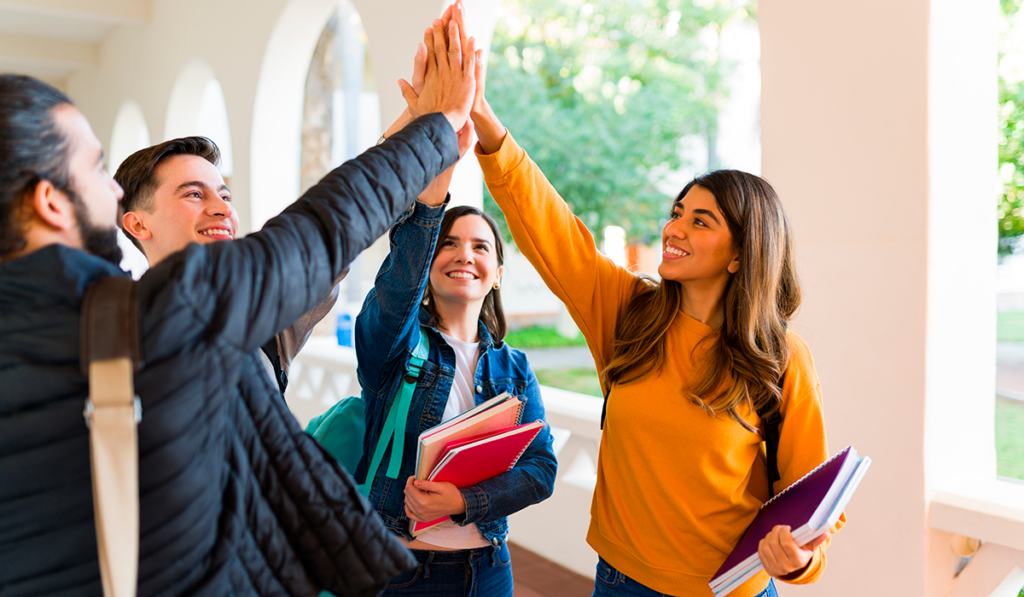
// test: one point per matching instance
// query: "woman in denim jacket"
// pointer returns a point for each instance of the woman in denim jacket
(452, 293)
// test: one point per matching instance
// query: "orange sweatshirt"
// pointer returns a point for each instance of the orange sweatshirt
(676, 488)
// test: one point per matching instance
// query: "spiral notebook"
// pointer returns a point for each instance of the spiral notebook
(810, 507)
(501, 412)
(469, 461)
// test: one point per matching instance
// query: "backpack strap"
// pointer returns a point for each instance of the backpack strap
(398, 417)
(111, 354)
(771, 439)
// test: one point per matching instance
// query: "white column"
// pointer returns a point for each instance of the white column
(878, 123)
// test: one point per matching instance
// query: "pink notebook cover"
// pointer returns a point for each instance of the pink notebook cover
(497, 414)
(469, 461)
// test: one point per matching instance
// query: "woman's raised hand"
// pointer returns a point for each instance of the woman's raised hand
(446, 65)
(489, 129)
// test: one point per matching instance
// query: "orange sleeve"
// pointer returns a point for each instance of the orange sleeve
(558, 245)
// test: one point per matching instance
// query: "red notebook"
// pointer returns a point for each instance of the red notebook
(469, 461)
(497, 414)
(810, 507)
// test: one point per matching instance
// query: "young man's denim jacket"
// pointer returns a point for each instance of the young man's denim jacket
(387, 331)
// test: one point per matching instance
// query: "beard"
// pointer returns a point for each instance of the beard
(96, 240)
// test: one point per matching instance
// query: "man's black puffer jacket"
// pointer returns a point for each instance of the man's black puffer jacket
(235, 499)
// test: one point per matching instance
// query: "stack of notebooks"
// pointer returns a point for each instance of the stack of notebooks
(810, 507)
(477, 445)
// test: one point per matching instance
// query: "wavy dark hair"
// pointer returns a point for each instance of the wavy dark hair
(750, 348)
(32, 149)
(492, 313)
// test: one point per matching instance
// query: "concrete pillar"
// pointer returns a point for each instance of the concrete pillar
(878, 123)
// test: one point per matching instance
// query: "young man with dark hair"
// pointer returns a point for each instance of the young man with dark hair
(234, 498)
(139, 177)
(174, 195)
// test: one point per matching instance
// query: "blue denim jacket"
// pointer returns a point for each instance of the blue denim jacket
(387, 331)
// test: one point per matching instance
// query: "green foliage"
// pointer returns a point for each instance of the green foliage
(541, 337)
(1010, 327)
(1009, 439)
(583, 381)
(600, 94)
(1011, 144)
(1011, 162)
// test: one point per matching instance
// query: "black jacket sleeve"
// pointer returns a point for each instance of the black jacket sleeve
(242, 293)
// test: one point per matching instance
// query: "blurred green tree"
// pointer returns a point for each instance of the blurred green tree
(601, 92)
(1011, 137)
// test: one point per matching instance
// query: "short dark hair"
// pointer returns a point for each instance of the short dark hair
(32, 149)
(492, 313)
(136, 173)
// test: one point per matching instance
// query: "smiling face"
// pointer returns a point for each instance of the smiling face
(191, 204)
(697, 245)
(466, 265)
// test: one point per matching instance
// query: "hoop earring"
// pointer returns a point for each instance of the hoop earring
(497, 285)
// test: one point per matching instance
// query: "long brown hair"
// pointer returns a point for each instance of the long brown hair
(750, 348)
(492, 313)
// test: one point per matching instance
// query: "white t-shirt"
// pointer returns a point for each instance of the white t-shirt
(461, 399)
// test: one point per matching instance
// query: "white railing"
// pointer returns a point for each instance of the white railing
(324, 373)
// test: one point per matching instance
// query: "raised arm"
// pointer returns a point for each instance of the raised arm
(386, 329)
(246, 291)
(556, 243)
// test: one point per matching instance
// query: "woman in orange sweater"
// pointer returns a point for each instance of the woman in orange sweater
(685, 364)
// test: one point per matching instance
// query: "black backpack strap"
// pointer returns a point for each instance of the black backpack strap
(771, 424)
(771, 433)
(604, 407)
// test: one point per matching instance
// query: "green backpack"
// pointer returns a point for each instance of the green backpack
(342, 428)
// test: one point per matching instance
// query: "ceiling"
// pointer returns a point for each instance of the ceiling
(51, 39)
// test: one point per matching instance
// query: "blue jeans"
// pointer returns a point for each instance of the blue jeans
(482, 572)
(612, 583)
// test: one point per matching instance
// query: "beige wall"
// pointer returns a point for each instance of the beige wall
(844, 141)
(878, 123)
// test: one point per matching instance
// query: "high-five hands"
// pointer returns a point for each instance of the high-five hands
(781, 555)
(446, 65)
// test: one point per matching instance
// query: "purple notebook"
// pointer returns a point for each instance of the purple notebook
(810, 507)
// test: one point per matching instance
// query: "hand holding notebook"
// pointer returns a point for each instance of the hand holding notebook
(479, 444)
(810, 507)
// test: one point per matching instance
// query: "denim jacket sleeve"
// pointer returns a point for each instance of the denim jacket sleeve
(531, 480)
(386, 328)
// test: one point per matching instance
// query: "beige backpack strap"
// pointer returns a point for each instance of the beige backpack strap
(110, 351)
